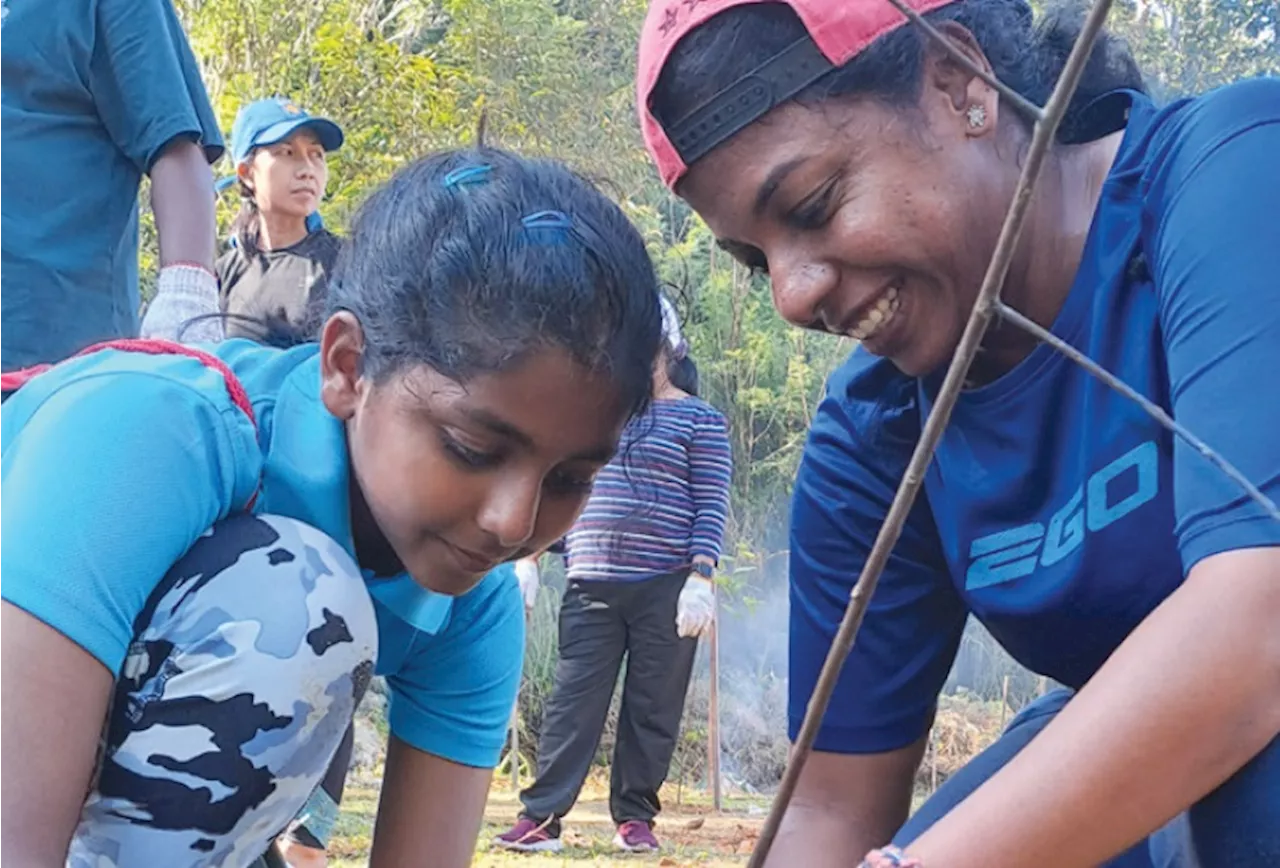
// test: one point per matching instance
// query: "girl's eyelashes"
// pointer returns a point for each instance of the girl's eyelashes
(561, 482)
(569, 483)
(472, 459)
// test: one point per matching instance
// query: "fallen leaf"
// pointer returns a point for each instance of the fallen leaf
(695, 823)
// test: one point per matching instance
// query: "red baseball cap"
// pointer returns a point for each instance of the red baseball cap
(838, 30)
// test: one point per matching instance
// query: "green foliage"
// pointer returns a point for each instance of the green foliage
(1190, 46)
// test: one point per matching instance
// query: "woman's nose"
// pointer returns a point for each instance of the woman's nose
(800, 289)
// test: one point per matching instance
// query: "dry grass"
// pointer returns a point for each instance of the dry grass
(691, 833)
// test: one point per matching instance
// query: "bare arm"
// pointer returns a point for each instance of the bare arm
(1109, 752)
(53, 700)
(182, 198)
(430, 811)
(186, 300)
(844, 805)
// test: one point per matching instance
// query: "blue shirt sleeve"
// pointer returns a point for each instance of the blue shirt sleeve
(107, 480)
(1212, 234)
(146, 83)
(454, 696)
(857, 450)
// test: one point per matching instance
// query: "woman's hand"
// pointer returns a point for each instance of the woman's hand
(527, 576)
(696, 607)
(297, 855)
(890, 857)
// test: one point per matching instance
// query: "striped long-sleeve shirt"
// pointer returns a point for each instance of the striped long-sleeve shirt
(661, 501)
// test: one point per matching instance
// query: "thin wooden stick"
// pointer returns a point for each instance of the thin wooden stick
(891, 530)
(1024, 105)
(1155, 411)
(713, 716)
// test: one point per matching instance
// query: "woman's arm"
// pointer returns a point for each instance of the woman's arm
(183, 201)
(430, 811)
(846, 803)
(710, 473)
(855, 790)
(53, 698)
(186, 298)
(1188, 699)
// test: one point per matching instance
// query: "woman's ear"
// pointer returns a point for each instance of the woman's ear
(970, 103)
(242, 173)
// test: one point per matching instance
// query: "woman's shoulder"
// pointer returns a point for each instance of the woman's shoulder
(1229, 109)
(701, 410)
(1175, 138)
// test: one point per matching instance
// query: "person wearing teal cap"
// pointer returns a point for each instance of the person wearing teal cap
(209, 550)
(278, 264)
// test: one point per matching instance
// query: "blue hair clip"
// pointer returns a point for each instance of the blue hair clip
(468, 175)
(556, 221)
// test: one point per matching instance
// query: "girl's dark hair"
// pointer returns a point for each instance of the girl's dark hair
(245, 227)
(683, 374)
(1026, 55)
(468, 260)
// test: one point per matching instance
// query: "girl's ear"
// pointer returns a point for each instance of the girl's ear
(242, 172)
(341, 350)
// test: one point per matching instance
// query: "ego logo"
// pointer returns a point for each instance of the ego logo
(1011, 554)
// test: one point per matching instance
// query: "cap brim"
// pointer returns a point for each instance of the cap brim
(329, 133)
(221, 185)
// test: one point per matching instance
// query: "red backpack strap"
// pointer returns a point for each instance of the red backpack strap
(14, 380)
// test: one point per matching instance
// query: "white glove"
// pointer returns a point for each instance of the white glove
(696, 608)
(527, 576)
(184, 292)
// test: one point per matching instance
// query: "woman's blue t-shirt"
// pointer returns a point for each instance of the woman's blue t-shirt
(1056, 511)
(115, 462)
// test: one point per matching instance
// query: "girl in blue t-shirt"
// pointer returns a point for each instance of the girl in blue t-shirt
(868, 173)
(213, 549)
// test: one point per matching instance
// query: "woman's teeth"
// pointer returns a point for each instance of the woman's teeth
(880, 316)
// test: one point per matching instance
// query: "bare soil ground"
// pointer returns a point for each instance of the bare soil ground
(690, 831)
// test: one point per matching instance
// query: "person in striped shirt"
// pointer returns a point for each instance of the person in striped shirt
(641, 558)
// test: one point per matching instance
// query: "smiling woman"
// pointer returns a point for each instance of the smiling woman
(210, 553)
(869, 173)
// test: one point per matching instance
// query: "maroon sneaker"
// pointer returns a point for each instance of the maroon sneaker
(635, 836)
(528, 836)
